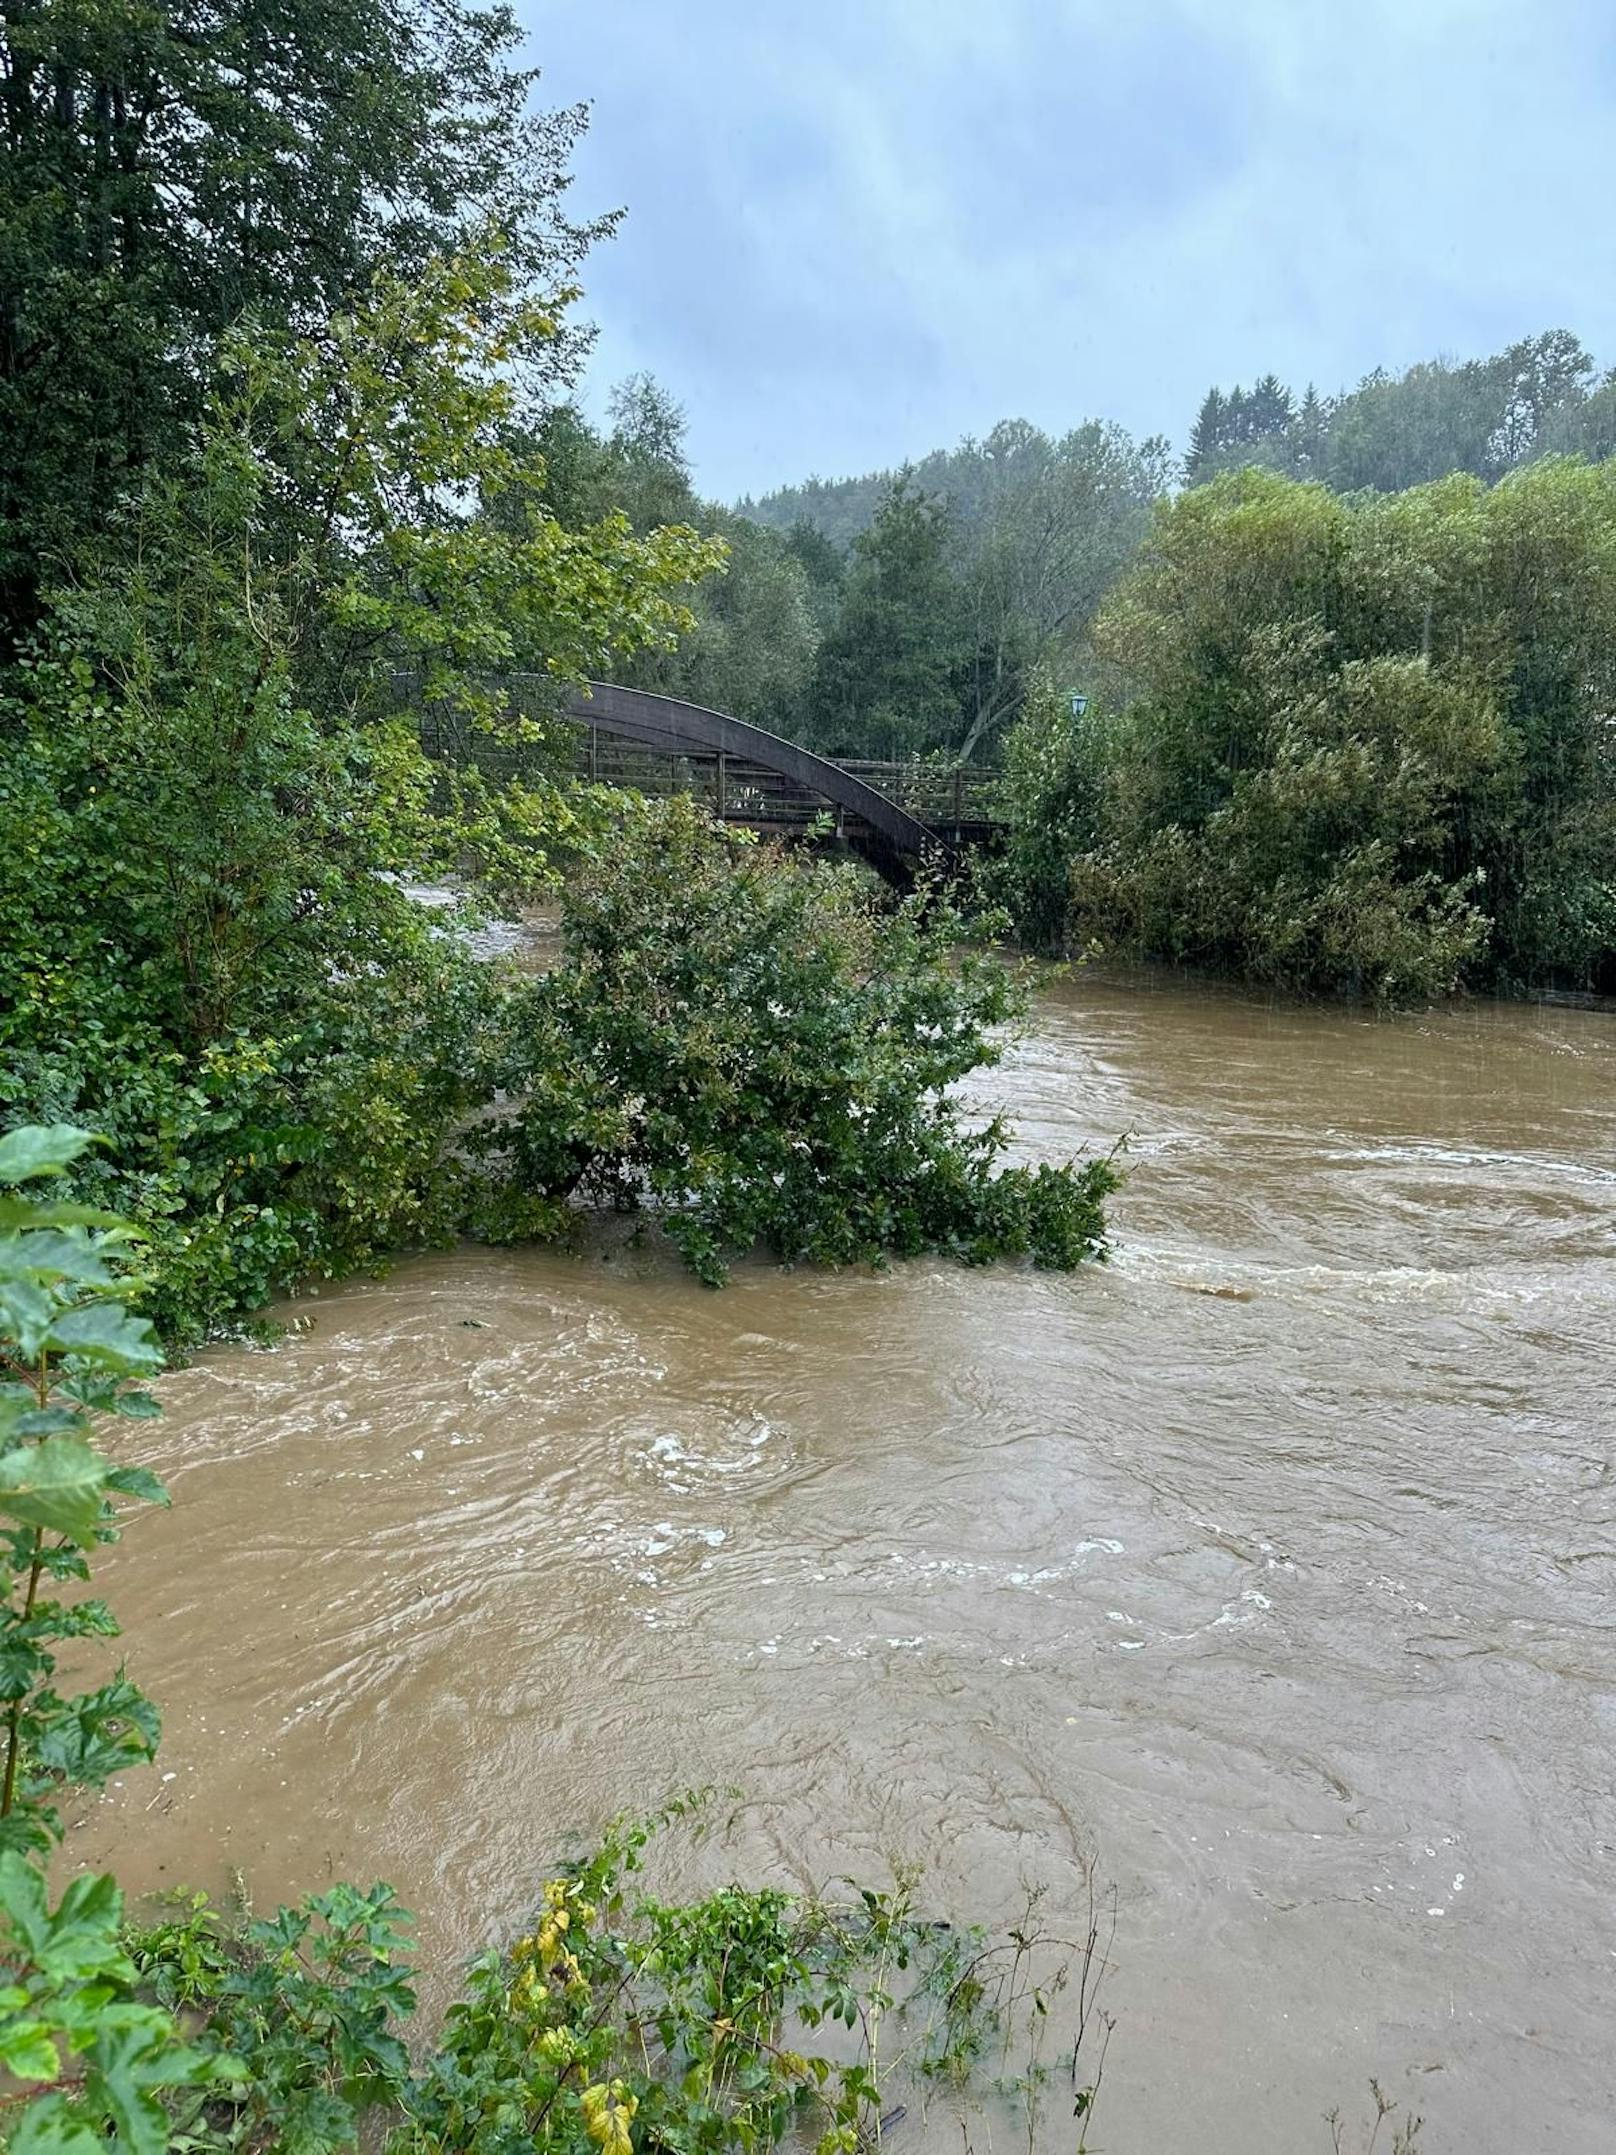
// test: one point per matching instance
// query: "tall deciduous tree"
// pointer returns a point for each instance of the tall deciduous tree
(211, 803)
(1485, 416)
(168, 169)
(1055, 524)
(749, 643)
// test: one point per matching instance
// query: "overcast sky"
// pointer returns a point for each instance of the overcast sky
(858, 229)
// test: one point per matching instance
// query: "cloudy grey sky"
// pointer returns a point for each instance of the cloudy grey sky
(858, 229)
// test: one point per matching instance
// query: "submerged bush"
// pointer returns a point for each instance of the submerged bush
(747, 2019)
(1053, 768)
(764, 1052)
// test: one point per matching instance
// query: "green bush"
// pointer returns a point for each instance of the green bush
(1053, 778)
(313, 1133)
(71, 2018)
(1368, 747)
(763, 1051)
(748, 2019)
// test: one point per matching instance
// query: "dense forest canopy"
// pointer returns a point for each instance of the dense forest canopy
(914, 611)
(940, 593)
(1539, 397)
(919, 635)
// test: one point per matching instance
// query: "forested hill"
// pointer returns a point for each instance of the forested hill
(912, 630)
(1487, 416)
(971, 479)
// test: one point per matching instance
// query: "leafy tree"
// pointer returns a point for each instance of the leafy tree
(1486, 416)
(1584, 427)
(748, 640)
(645, 454)
(823, 564)
(1534, 380)
(1055, 526)
(1054, 771)
(838, 508)
(1315, 854)
(972, 478)
(763, 1052)
(168, 170)
(1028, 529)
(752, 644)
(1367, 746)
(210, 799)
(1395, 432)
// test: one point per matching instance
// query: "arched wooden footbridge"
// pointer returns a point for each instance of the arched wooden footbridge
(898, 815)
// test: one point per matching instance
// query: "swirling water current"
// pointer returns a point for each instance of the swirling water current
(1267, 1573)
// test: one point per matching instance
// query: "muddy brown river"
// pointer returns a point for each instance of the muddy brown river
(1269, 1570)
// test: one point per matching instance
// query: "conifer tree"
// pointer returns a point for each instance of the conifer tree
(1206, 438)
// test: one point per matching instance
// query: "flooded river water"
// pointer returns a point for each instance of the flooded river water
(1270, 1569)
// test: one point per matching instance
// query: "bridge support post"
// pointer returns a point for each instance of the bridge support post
(723, 790)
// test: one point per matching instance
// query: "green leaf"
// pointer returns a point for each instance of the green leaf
(135, 2053)
(25, 1315)
(57, 1485)
(19, 1212)
(27, 2052)
(41, 1421)
(138, 1482)
(41, 1149)
(50, 2128)
(27, 1832)
(136, 1407)
(14, 1411)
(100, 1734)
(105, 1332)
(22, 1666)
(78, 1940)
(63, 1253)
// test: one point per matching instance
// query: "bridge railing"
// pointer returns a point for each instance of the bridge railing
(731, 786)
(941, 795)
(938, 793)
